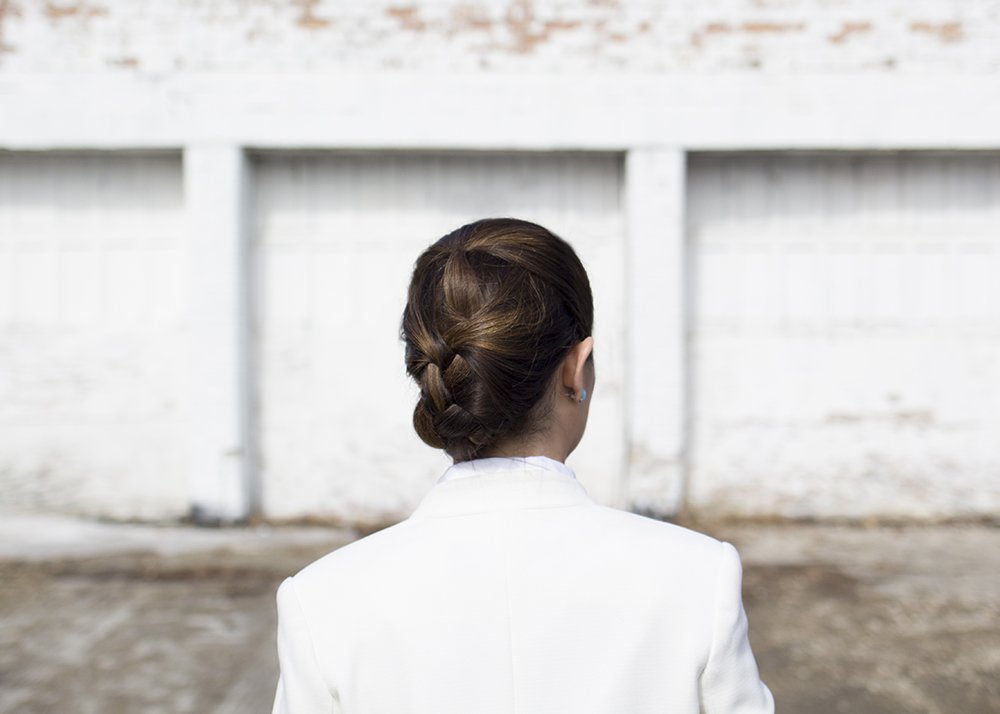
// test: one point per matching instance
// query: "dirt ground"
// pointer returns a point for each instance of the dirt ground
(856, 620)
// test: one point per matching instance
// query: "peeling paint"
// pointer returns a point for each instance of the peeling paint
(471, 17)
(848, 29)
(80, 10)
(409, 18)
(519, 18)
(753, 28)
(712, 28)
(308, 19)
(945, 31)
(762, 27)
(520, 21)
(793, 36)
(7, 9)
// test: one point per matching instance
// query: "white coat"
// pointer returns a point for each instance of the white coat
(512, 592)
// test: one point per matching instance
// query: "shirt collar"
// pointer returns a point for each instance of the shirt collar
(500, 464)
(519, 484)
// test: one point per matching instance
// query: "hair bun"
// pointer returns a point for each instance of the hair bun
(493, 308)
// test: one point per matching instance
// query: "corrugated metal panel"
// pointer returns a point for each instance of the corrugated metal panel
(92, 311)
(845, 338)
(336, 237)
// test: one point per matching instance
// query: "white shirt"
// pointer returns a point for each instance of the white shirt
(496, 464)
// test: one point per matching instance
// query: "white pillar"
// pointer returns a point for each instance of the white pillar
(215, 194)
(657, 324)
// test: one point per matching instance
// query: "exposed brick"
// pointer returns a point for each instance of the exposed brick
(158, 36)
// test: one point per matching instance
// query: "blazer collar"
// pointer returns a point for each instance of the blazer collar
(502, 491)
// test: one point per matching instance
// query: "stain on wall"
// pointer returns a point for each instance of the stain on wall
(8, 9)
(852, 36)
(308, 19)
(944, 31)
(848, 29)
(78, 10)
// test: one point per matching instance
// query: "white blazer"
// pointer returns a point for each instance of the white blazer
(512, 592)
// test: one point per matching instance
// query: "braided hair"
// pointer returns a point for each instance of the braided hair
(493, 309)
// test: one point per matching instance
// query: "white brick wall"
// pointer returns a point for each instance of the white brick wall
(107, 408)
(160, 37)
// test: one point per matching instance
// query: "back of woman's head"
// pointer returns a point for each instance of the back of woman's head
(493, 309)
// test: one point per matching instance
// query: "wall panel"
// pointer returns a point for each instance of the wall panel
(335, 239)
(845, 338)
(93, 357)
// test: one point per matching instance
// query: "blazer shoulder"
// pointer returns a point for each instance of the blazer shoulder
(654, 532)
(356, 555)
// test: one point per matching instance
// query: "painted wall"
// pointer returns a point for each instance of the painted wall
(845, 340)
(93, 334)
(621, 36)
(167, 340)
(334, 242)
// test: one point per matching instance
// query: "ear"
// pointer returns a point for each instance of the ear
(572, 367)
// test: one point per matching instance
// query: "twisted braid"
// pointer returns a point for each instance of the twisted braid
(493, 308)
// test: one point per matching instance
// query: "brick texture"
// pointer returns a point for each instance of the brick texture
(753, 36)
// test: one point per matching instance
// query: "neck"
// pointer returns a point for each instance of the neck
(531, 447)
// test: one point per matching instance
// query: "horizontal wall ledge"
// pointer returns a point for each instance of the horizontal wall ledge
(397, 110)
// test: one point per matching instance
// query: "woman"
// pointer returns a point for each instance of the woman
(508, 589)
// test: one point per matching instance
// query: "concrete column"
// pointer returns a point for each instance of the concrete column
(657, 324)
(215, 193)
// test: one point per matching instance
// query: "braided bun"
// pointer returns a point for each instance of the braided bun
(493, 309)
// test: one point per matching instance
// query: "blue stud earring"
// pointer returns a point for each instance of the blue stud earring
(584, 396)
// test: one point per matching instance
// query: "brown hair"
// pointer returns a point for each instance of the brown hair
(493, 309)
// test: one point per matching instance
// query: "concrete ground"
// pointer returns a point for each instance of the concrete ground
(119, 618)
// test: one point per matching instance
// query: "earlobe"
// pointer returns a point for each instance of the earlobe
(574, 366)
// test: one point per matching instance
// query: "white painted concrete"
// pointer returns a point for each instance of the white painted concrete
(846, 335)
(657, 329)
(335, 239)
(92, 327)
(93, 334)
(536, 111)
(155, 38)
(221, 476)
